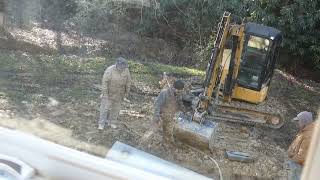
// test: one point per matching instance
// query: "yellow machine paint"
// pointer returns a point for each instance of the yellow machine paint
(240, 93)
(240, 67)
(223, 59)
(249, 95)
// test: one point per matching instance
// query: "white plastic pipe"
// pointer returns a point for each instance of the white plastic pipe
(133, 157)
(53, 161)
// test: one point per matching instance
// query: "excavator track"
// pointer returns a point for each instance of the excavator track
(245, 116)
(243, 112)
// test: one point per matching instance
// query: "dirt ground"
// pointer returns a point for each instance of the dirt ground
(64, 109)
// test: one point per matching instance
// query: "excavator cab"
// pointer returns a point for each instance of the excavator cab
(259, 56)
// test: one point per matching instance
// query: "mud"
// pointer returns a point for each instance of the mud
(68, 114)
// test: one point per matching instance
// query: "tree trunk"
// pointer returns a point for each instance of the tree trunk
(1, 19)
(2, 12)
(59, 36)
(42, 13)
(20, 10)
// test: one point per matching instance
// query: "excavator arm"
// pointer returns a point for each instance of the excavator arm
(214, 69)
(216, 64)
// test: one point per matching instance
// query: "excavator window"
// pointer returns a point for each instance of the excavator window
(253, 61)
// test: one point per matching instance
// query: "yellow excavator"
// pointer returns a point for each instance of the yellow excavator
(238, 76)
(242, 71)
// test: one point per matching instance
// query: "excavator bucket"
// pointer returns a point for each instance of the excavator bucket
(193, 133)
(209, 135)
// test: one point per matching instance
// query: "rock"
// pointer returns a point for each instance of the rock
(52, 102)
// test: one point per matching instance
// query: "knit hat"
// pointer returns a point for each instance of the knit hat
(178, 84)
(121, 63)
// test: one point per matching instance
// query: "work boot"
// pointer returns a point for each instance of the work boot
(169, 150)
(113, 126)
(101, 127)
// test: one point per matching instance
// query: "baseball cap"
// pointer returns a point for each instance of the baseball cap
(303, 116)
(121, 63)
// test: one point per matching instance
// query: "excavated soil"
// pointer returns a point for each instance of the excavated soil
(63, 108)
(66, 112)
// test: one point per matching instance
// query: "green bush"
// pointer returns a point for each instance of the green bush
(299, 21)
(189, 23)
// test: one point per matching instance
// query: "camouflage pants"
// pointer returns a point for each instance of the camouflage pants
(109, 110)
(167, 129)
